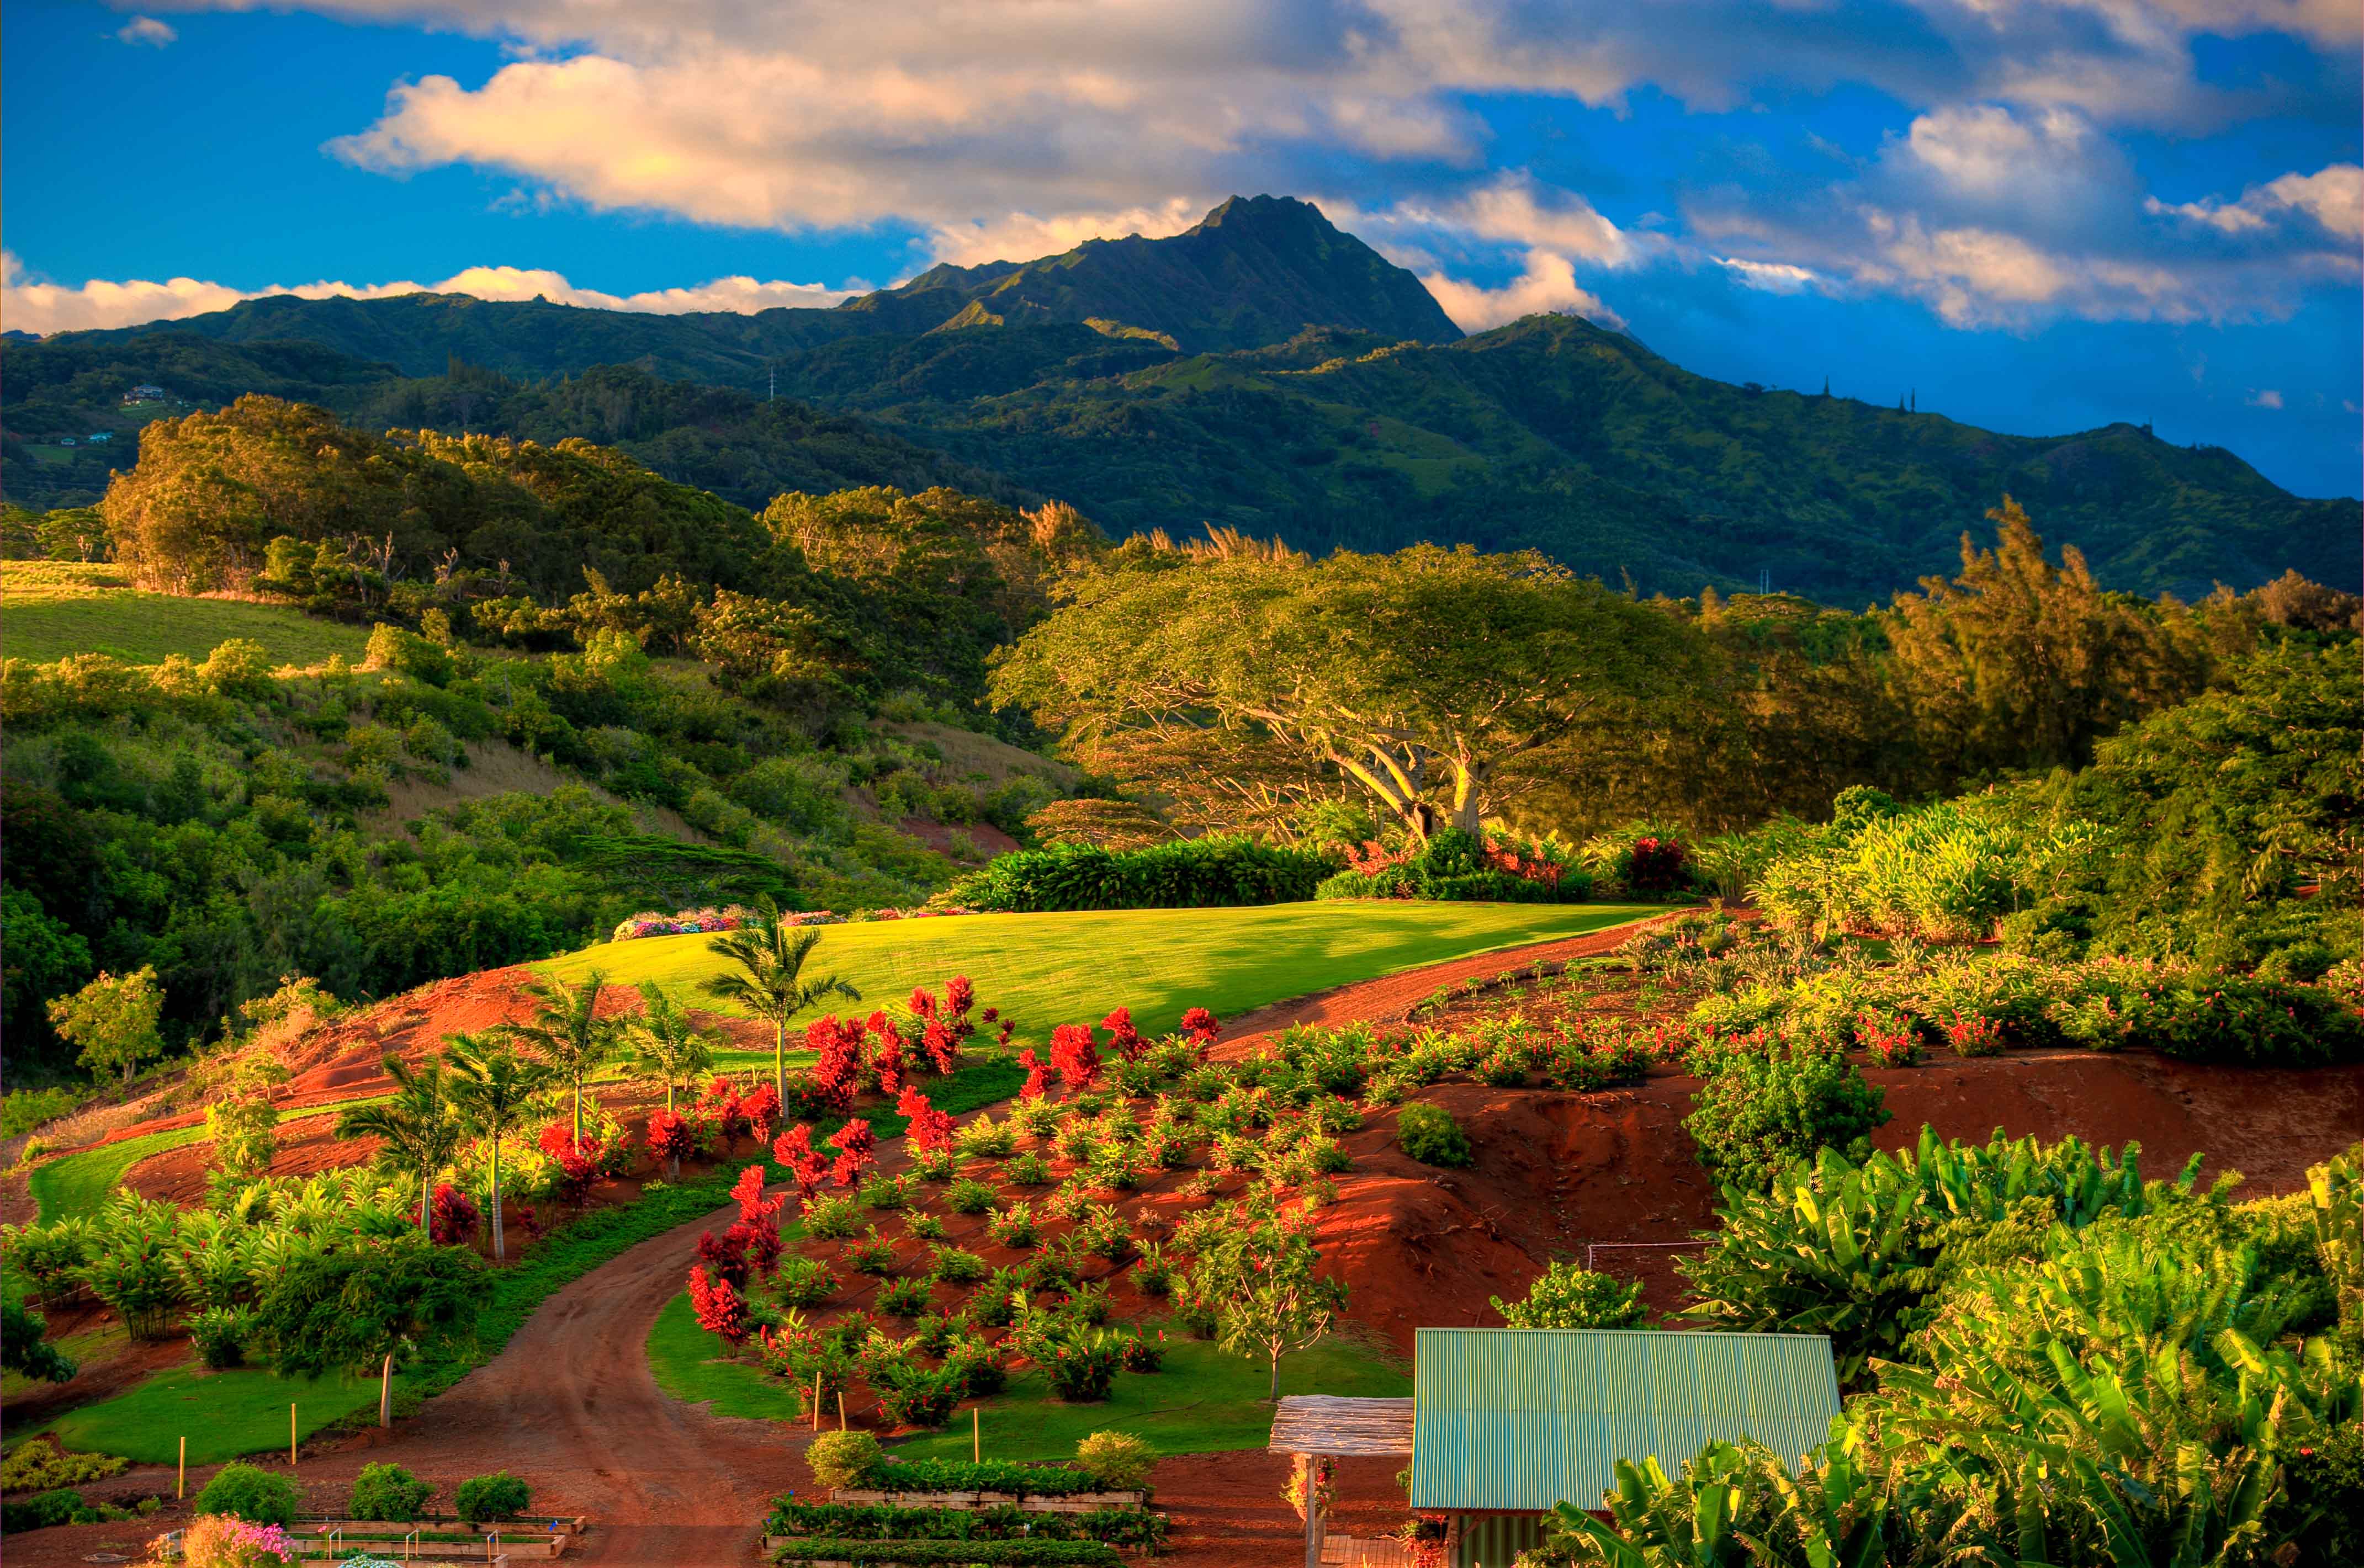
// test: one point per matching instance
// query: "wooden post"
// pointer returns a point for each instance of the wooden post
(1308, 1473)
(841, 1409)
(816, 1377)
(975, 1435)
(291, 1434)
(181, 1487)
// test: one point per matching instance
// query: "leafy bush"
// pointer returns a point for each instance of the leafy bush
(499, 1495)
(916, 1397)
(220, 1334)
(387, 1492)
(1761, 1114)
(842, 1461)
(1429, 1134)
(833, 1218)
(39, 1465)
(1138, 1529)
(961, 1475)
(255, 1495)
(1118, 1461)
(1454, 865)
(1570, 1297)
(41, 1512)
(953, 1553)
(954, 1265)
(1185, 874)
(903, 1297)
(803, 1282)
(968, 1196)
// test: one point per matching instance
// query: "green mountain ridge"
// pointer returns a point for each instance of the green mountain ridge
(1262, 371)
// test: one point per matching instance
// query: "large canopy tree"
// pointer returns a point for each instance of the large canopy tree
(1423, 678)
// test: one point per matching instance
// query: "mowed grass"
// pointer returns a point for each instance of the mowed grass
(223, 1414)
(43, 619)
(81, 1184)
(1044, 970)
(1206, 1400)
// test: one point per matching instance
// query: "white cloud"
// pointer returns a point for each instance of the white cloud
(2268, 399)
(46, 307)
(1771, 277)
(2333, 196)
(146, 30)
(1019, 236)
(1548, 285)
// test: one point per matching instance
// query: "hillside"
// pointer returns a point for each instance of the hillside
(1262, 370)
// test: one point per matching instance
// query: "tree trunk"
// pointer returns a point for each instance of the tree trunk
(578, 1113)
(780, 1062)
(386, 1392)
(426, 1189)
(1275, 1395)
(498, 1254)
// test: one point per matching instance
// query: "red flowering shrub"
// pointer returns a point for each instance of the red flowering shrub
(760, 1109)
(721, 1308)
(749, 1193)
(1891, 1038)
(837, 1075)
(1123, 1038)
(1009, 1027)
(1656, 865)
(758, 1240)
(943, 1048)
(671, 1138)
(1075, 1057)
(793, 1149)
(930, 1128)
(1975, 1034)
(723, 1108)
(1038, 1074)
(1198, 1026)
(1373, 858)
(725, 1255)
(891, 1062)
(856, 1148)
(451, 1215)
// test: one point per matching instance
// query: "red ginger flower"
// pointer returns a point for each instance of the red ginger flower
(1075, 1057)
(930, 1128)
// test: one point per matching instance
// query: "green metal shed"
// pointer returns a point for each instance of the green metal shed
(1512, 1421)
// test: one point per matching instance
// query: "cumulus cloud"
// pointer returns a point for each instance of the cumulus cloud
(44, 307)
(1548, 285)
(146, 30)
(1020, 236)
(2265, 399)
(2332, 197)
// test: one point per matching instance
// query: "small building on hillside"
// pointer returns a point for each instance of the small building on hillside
(100, 438)
(143, 394)
(1504, 1424)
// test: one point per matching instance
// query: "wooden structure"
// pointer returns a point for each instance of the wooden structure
(1315, 1427)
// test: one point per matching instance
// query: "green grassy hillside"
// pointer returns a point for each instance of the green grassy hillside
(1045, 970)
(50, 609)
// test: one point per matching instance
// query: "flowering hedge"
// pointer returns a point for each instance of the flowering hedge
(1193, 874)
(1457, 866)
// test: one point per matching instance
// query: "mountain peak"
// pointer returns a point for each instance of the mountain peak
(1254, 272)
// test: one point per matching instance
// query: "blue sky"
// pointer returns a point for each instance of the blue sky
(2034, 217)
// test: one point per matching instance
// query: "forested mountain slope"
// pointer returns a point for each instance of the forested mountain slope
(1263, 372)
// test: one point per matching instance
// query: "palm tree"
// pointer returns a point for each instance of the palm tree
(494, 1089)
(415, 1126)
(567, 1032)
(767, 979)
(664, 1045)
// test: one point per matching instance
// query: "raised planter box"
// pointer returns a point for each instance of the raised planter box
(537, 1547)
(525, 1524)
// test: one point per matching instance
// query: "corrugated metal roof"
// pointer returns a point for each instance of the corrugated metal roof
(1527, 1417)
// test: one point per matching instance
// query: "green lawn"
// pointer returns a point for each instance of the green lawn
(46, 620)
(1205, 1401)
(223, 1414)
(1043, 970)
(81, 1184)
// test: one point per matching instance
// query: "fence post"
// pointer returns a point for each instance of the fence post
(291, 1434)
(181, 1486)
(975, 1435)
(840, 1410)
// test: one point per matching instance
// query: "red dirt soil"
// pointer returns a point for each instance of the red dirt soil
(572, 1405)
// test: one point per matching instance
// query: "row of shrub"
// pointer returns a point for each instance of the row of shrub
(1136, 1528)
(1105, 1461)
(953, 1553)
(1458, 866)
(382, 1492)
(1187, 874)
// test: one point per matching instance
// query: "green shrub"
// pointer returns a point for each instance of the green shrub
(39, 1465)
(967, 1196)
(843, 1461)
(1429, 1134)
(954, 1265)
(962, 1476)
(220, 1334)
(41, 1512)
(1118, 1461)
(1136, 1527)
(919, 1396)
(953, 1553)
(499, 1495)
(1188, 874)
(833, 1218)
(1765, 1112)
(803, 1282)
(24, 1109)
(255, 1495)
(1457, 866)
(1570, 1297)
(903, 1297)
(387, 1492)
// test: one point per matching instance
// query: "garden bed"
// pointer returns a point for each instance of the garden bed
(1072, 1503)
